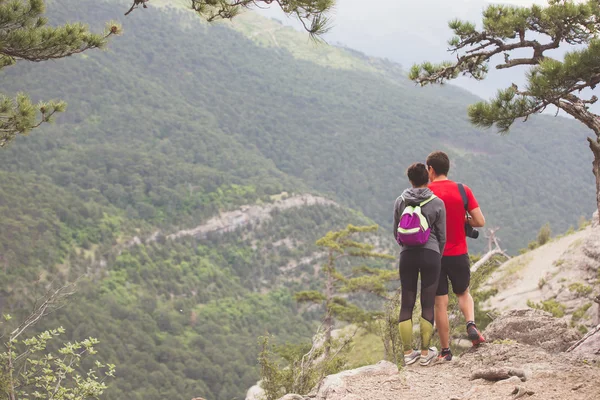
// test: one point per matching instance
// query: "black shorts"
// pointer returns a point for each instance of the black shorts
(458, 270)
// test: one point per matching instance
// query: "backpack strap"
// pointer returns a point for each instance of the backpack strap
(463, 194)
(433, 196)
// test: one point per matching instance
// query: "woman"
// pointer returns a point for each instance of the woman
(421, 250)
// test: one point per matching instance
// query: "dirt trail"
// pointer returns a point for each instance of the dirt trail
(518, 280)
(548, 377)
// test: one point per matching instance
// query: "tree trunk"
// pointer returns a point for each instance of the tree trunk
(328, 304)
(579, 109)
(595, 147)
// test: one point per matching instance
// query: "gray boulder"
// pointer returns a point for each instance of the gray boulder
(336, 387)
(589, 346)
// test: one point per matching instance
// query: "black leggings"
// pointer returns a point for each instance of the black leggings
(428, 263)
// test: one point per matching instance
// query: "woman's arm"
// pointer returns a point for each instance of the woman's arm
(398, 206)
(440, 227)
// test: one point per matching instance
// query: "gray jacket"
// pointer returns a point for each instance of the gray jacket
(434, 211)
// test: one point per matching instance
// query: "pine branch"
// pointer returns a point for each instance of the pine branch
(310, 13)
(505, 29)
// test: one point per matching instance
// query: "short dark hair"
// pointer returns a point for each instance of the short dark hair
(439, 161)
(417, 174)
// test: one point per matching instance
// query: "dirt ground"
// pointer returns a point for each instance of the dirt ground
(548, 376)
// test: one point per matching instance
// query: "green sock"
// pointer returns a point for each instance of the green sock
(406, 330)
(426, 333)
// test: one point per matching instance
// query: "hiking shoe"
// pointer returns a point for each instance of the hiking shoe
(431, 355)
(412, 357)
(445, 356)
(474, 335)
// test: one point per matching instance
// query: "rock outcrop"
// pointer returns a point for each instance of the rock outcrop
(534, 328)
(589, 346)
(255, 392)
(337, 387)
(559, 275)
(251, 214)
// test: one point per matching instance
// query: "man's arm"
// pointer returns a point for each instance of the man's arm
(477, 219)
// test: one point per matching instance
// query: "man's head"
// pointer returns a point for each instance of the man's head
(438, 164)
(417, 175)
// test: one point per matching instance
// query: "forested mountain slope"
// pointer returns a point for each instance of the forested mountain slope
(179, 121)
(196, 99)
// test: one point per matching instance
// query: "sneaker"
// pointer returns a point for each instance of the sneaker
(474, 335)
(431, 355)
(412, 357)
(445, 356)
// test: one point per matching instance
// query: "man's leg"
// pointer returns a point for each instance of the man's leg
(461, 279)
(441, 311)
(467, 305)
(441, 320)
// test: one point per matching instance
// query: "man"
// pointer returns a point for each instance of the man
(456, 265)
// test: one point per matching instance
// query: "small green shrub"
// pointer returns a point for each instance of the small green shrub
(297, 368)
(552, 306)
(580, 289)
(541, 283)
(584, 223)
(559, 262)
(544, 234)
(580, 312)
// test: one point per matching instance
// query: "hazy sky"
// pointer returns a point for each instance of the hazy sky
(408, 32)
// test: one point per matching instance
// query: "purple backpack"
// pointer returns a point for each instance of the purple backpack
(413, 228)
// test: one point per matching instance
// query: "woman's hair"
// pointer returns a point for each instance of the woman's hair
(417, 174)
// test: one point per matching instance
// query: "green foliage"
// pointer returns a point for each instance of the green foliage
(583, 223)
(341, 245)
(310, 296)
(389, 332)
(185, 309)
(25, 36)
(298, 368)
(30, 369)
(541, 283)
(552, 306)
(311, 13)
(544, 234)
(581, 289)
(579, 313)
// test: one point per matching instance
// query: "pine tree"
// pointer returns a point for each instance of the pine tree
(341, 244)
(25, 36)
(508, 31)
(311, 13)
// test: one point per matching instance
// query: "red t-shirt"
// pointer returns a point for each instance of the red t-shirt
(447, 190)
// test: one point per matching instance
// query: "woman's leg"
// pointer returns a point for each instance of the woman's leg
(430, 274)
(409, 275)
